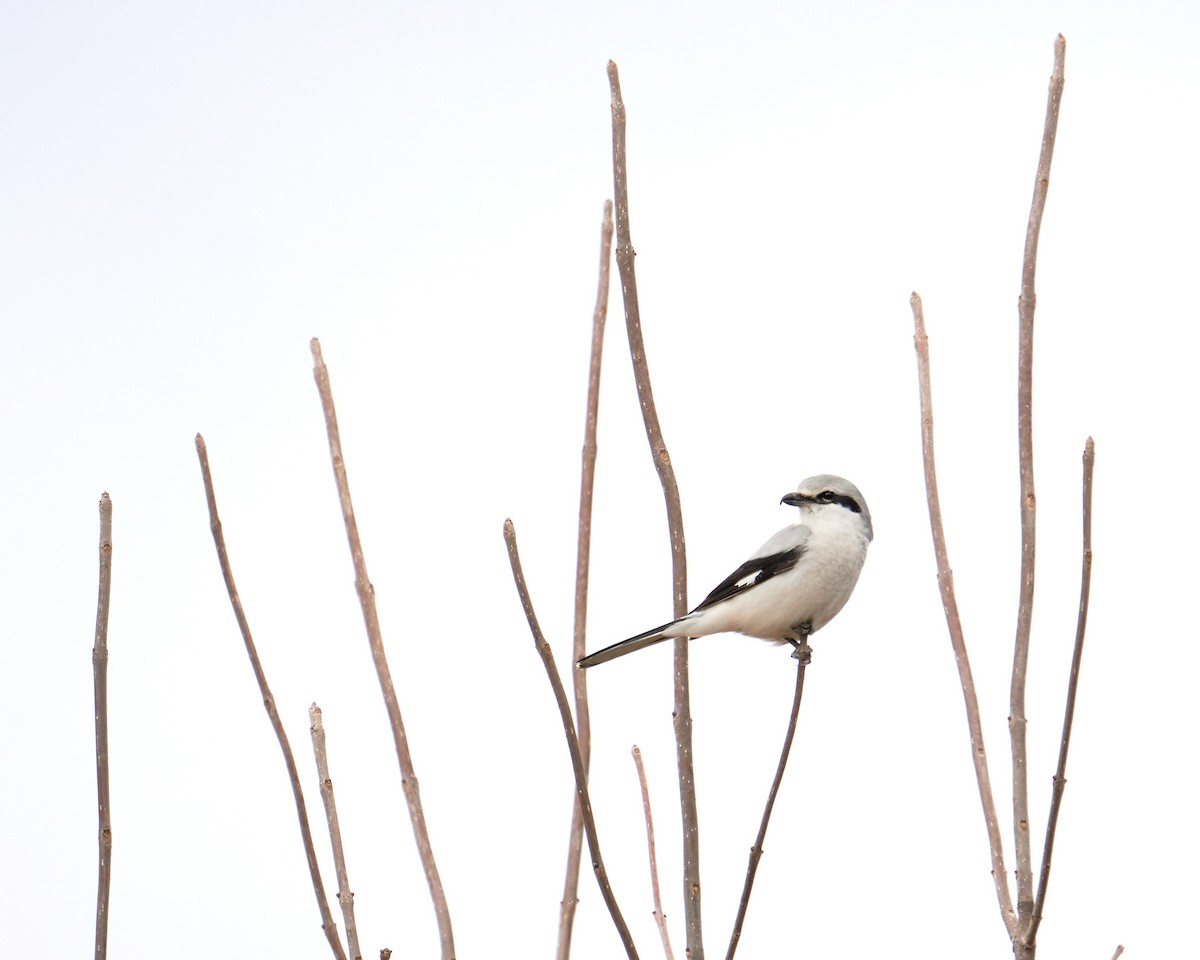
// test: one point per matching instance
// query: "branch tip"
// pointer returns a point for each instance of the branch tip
(564, 709)
(674, 510)
(327, 924)
(954, 628)
(370, 612)
(583, 723)
(345, 896)
(100, 690)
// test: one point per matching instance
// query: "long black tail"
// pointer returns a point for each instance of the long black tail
(647, 639)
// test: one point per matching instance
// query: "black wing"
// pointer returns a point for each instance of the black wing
(751, 573)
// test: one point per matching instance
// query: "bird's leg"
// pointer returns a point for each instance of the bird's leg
(800, 648)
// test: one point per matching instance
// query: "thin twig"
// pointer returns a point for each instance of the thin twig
(666, 476)
(1060, 775)
(345, 897)
(954, 623)
(659, 917)
(366, 598)
(1120, 950)
(100, 685)
(564, 709)
(214, 521)
(570, 898)
(803, 656)
(1025, 308)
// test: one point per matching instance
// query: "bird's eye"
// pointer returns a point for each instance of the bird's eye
(826, 496)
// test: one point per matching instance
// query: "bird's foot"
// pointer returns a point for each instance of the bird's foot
(801, 651)
(799, 641)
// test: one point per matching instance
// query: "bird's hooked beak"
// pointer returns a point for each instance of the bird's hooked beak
(796, 499)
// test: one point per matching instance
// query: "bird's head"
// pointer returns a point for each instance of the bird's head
(826, 492)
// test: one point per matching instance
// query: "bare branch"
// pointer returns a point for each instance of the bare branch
(100, 685)
(637, 349)
(345, 897)
(570, 898)
(659, 917)
(1120, 950)
(214, 521)
(666, 476)
(1025, 309)
(366, 597)
(954, 623)
(1060, 775)
(803, 657)
(564, 709)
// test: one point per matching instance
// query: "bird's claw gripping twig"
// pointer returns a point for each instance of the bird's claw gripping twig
(800, 648)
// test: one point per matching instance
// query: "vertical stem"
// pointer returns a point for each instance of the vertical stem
(662, 462)
(564, 711)
(803, 656)
(1060, 775)
(660, 918)
(345, 897)
(100, 685)
(214, 523)
(954, 624)
(1025, 308)
(366, 599)
(570, 898)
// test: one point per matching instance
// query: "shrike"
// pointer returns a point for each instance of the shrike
(794, 584)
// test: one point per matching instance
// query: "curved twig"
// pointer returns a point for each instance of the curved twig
(1060, 775)
(570, 897)
(666, 476)
(366, 598)
(1026, 306)
(954, 624)
(803, 656)
(214, 522)
(564, 709)
(100, 685)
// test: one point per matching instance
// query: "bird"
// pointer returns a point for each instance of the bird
(792, 586)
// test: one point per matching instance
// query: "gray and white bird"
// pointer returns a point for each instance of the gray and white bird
(792, 586)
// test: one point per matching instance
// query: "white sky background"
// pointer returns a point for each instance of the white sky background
(187, 196)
